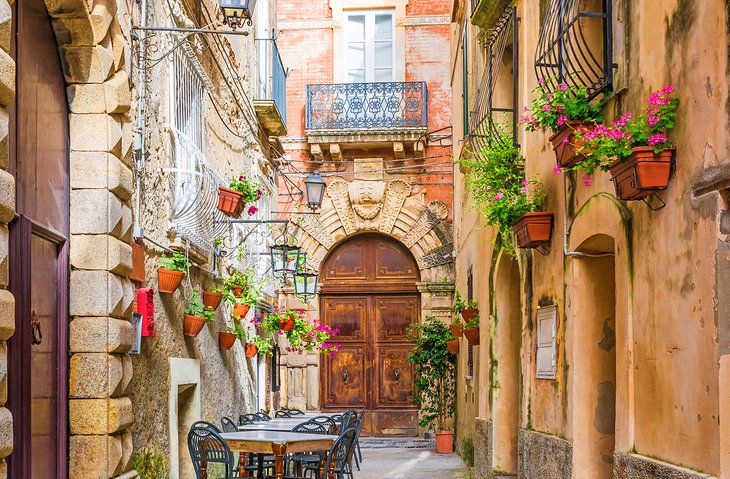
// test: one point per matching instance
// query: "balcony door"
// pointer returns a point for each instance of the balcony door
(369, 46)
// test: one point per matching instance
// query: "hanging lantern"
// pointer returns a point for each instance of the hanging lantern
(315, 186)
(236, 12)
(285, 258)
(305, 284)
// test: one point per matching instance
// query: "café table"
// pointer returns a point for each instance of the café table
(278, 443)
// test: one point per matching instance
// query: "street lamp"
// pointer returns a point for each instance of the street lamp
(236, 12)
(315, 186)
(305, 284)
(284, 258)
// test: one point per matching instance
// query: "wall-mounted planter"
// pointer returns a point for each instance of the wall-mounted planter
(240, 310)
(472, 335)
(468, 313)
(453, 346)
(226, 340)
(457, 329)
(212, 300)
(237, 291)
(193, 325)
(565, 154)
(168, 280)
(642, 174)
(230, 202)
(534, 229)
(251, 350)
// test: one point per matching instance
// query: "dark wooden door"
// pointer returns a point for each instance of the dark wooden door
(38, 351)
(369, 293)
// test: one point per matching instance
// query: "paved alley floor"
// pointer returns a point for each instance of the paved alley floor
(407, 459)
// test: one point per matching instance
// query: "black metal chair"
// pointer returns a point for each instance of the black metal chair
(207, 424)
(253, 417)
(297, 460)
(358, 455)
(327, 421)
(206, 447)
(295, 412)
(261, 417)
(244, 421)
(265, 413)
(339, 456)
(228, 425)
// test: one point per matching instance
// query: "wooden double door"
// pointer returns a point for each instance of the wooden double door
(369, 294)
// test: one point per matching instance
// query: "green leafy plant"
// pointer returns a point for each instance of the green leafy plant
(251, 191)
(150, 463)
(197, 308)
(235, 327)
(175, 262)
(250, 287)
(557, 103)
(459, 304)
(499, 186)
(303, 335)
(263, 344)
(435, 381)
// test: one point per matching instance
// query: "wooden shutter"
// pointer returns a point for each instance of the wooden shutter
(546, 330)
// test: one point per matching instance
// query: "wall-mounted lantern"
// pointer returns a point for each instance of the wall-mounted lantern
(285, 258)
(305, 284)
(315, 186)
(237, 12)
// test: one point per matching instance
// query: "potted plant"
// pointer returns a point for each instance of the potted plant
(562, 109)
(471, 310)
(435, 383)
(212, 298)
(171, 271)
(259, 345)
(636, 150)
(456, 326)
(453, 346)
(502, 191)
(235, 330)
(233, 200)
(196, 316)
(301, 334)
(471, 328)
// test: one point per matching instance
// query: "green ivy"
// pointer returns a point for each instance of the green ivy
(150, 464)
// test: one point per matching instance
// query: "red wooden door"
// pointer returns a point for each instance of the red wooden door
(369, 292)
(38, 351)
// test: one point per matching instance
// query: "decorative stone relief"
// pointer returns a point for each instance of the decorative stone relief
(367, 198)
(425, 223)
(398, 191)
(436, 257)
(315, 229)
(338, 192)
(439, 208)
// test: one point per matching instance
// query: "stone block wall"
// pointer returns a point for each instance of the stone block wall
(483, 437)
(7, 211)
(543, 456)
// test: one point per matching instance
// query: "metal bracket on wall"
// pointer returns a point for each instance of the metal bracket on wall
(654, 202)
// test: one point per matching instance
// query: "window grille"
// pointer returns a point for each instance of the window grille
(492, 110)
(470, 296)
(575, 44)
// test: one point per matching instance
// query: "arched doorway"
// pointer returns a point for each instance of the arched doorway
(369, 292)
(38, 151)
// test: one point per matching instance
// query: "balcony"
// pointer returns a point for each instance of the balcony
(485, 13)
(364, 114)
(270, 102)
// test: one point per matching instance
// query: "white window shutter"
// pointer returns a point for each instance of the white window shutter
(546, 332)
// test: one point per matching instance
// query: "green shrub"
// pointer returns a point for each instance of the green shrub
(150, 463)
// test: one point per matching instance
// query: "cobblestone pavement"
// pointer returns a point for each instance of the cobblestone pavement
(407, 459)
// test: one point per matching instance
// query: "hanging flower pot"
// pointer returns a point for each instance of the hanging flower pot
(230, 202)
(240, 310)
(168, 280)
(226, 340)
(472, 335)
(468, 314)
(533, 229)
(237, 291)
(453, 346)
(251, 350)
(643, 173)
(565, 143)
(212, 300)
(193, 325)
(456, 329)
(286, 324)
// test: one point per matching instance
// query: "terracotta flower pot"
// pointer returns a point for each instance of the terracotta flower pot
(226, 340)
(472, 335)
(251, 350)
(237, 291)
(642, 174)
(565, 154)
(456, 329)
(286, 324)
(168, 280)
(193, 325)
(230, 202)
(240, 310)
(212, 300)
(444, 442)
(534, 229)
(468, 313)
(453, 346)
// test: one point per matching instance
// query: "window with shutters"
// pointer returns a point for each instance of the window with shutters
(369, 49)
(470, 296)
(546, 354)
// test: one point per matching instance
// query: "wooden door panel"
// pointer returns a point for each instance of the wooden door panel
(349, 314)
(393, 315)
(395, 378)
(346, 384)
(393, 262)
(349, 262)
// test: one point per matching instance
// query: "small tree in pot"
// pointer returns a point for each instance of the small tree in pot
(435, 384)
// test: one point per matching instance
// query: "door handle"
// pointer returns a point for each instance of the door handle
(397, 375)
(36, 335)
(345, 376)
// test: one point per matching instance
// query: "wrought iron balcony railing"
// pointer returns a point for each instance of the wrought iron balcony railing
(367, 106)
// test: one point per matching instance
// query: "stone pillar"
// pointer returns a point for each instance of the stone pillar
(7, 211)
(436, 299)
(92, 47)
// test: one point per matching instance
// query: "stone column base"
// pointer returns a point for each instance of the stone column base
(542, 456)
(634, 466)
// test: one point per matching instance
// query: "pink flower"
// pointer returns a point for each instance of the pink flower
(498, 196)
(546, 108)
(252, 210)
(240, 178)
(557, 170)
(488, 188)
(525, 182)
(559, 109)
(524, 190)
(565, 140)
(563, 86)
(652, 120)
(623, 120)
(587, 180)
(657, 139)
(540, 81)
(562, 119)
(506, 180)
(668, 89)
(549, 97)
(615, 134)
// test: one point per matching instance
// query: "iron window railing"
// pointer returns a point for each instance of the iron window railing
(576, 44)
(363, 106)
(278, 82)
(491, 109)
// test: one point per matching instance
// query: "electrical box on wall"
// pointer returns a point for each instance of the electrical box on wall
(146, 307)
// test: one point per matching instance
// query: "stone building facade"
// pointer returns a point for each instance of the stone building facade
(633, 296)
(94, 167)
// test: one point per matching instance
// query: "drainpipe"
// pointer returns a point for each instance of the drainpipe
(139, 135)
(565, 228)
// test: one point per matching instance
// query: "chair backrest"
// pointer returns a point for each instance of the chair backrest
(252, 417)
(347, 419)
(228, 425)
(340, 452)
(206, 446)
(295, 412)
(356, 425)
(327, 421)
(207, 424)
(261, 417)
(265, 413)
(282, 413)
(337, 418)
(310, 427)
(244, 421)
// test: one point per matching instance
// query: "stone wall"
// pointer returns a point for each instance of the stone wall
(483, 448)
(633, 466)
(543, 456)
